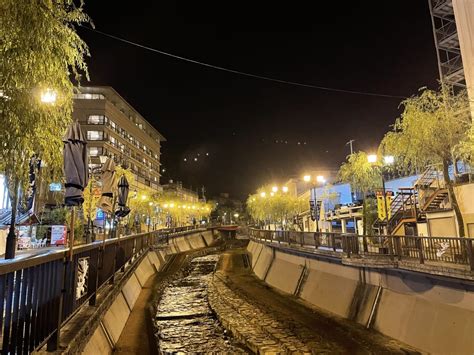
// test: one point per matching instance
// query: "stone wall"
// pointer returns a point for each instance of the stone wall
(428, 312)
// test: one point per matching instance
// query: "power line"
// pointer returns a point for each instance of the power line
(240, 72)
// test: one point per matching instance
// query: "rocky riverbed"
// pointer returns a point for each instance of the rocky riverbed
(185, 322)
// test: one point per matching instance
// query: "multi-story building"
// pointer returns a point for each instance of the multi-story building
(114, 128)
(182, 193)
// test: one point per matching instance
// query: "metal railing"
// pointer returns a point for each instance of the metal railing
(39, 294)
(442, 250)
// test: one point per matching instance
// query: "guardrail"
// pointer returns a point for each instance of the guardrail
(447, 250)
(38, 295)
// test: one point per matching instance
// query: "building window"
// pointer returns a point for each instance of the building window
(95, 151)
(89, 96)
(113, 125)
(95, 135)
(96, 119)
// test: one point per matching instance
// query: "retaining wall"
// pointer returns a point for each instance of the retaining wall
(110, 328)
(428, 312)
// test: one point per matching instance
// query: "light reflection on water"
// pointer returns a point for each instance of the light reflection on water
(184, 320)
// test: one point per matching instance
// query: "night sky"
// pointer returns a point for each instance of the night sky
(372, 46)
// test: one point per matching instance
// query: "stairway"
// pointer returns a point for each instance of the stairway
(434, 201)
(427, 179)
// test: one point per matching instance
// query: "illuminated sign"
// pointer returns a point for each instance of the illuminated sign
(55, 186)
(99, 215)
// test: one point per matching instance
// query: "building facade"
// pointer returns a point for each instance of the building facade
(113, 128)
(176, 189)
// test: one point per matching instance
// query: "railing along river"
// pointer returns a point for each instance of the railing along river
(410, 248)
(39, 294)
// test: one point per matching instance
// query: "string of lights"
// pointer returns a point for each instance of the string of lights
(255, 76)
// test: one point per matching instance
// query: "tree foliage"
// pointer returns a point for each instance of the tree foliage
(362, 175)
(431, 130)
(276, 207)
(40, 51)
(434, 128)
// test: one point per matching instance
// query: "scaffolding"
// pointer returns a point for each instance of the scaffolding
(446, 40)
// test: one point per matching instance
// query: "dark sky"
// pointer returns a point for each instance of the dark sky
(376, 46)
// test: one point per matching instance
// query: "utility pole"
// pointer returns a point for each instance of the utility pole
(203, 190)
(350, 144)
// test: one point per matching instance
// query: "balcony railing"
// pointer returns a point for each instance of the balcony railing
(39, 294)
(438, 250)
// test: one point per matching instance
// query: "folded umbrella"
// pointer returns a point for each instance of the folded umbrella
(75, 165)
(122, 196)
(105, 202)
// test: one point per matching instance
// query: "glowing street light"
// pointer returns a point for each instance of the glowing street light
(171, 205)
(263, 194)
(272, 194)
(307, 178)
(275, 188)
(165, 205)
(320, 179)
(236, 215)
(388, 159)
(48, 96)
(372, 158)
(284, 189)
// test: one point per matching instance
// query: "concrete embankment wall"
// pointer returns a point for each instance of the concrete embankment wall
(430, 313)
(110, 328)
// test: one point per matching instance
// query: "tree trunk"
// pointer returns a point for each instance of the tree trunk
(452, 198)
(11, 238)
(364, 216)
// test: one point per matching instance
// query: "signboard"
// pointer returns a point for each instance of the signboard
(55, 186)
(99, 215)
(58, 235)
(381, 214)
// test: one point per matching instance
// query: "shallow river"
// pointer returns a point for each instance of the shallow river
(184, 319)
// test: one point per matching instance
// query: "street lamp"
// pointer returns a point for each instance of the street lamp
(284, 189)
(48, 96)
(263, 194)
(319, 180)
(275, 188)
(372, 158)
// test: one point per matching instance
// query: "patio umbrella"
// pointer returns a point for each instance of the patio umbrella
(122, 196)
(105, 202)
(75, 165)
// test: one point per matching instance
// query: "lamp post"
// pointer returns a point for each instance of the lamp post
(320, 180)
(387, 160)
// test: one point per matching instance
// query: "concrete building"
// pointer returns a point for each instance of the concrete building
(114, 128)
(177, 189)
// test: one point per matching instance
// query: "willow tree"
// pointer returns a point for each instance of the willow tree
(40, 52)
(431, 131)
(275, 207)
(363, 178)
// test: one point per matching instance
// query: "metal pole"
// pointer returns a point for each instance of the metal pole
(316, 205)
(71, 233)
(390, 242)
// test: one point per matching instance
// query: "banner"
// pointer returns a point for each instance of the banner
(58, 235)
(381, 213)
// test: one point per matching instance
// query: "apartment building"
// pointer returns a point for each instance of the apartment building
(114, 128)
(177, 189)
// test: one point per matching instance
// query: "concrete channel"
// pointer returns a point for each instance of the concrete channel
(202, 296)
